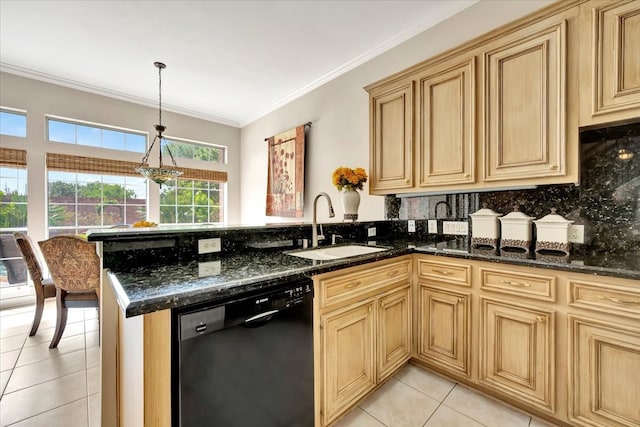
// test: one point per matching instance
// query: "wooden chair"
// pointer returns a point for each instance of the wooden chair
(44, 286)
(75, 268)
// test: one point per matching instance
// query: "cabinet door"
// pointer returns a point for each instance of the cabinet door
(525, 87)
(611, 59)
(517, 351)
(604, 373)
(391, 146)
(446, 125)
(347, 346)
(443, 325)
(394, 331)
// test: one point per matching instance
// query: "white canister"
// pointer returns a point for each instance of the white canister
(552, 233)
(516, 230)
(485, 228)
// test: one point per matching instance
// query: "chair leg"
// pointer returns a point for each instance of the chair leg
(61, 320)
(38, 314)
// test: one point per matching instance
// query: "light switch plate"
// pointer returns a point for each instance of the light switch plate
(371, 231)
(207, 246)
(411, 226)
(433, 226)
(458, 228)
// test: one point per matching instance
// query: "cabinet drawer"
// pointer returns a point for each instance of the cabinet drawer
(458, 274)
(339, 288)
(522, 284)
(604, 297)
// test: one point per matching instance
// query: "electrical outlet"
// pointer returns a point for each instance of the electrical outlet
(433, 226)
(411, 226)
(206, 246)
(371, 231)
(576, 233)
(210, 268)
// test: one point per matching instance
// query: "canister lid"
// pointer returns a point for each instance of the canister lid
(485, 212)
(553, 218)
(516, 216)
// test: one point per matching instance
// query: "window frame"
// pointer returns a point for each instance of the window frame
(99, 126)
(16, 112)
(223, 148)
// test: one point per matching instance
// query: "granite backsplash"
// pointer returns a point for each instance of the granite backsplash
(606, 201)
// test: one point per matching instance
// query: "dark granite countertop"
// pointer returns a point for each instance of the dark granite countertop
(160, 286)
(163, 285)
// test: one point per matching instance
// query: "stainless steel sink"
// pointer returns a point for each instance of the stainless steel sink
(336, 252)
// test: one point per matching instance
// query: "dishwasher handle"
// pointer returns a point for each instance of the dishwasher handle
(259, 319)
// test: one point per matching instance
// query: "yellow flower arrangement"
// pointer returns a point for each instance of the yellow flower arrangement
(350, 179)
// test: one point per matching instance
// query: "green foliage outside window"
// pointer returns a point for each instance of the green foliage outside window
(190, 202)
(186, 150)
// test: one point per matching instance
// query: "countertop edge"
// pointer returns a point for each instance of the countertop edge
(140, 307)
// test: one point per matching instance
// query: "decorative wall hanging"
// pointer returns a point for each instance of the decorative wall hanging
(285, 180)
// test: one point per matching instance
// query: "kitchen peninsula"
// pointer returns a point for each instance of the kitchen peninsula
(149, 272)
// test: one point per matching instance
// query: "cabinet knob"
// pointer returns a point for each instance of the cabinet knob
(553, 167)
(539, 318)
(381, 304)
(407, 180)
(459, 300)
(466, 175)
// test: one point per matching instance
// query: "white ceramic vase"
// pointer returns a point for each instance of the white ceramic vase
(350, 203)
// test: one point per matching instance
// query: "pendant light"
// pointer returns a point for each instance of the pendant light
(161, 174)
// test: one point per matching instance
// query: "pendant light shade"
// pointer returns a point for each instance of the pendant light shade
(160, 174)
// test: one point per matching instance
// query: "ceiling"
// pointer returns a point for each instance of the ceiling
(227, 61)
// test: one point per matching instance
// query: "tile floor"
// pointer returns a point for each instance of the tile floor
(43, 387)
(415, 397)
(60, 387)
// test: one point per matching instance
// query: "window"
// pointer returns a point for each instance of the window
(80, 201)
(95, 136)
(13, 123)
(13, 193)
(13, 217)
(185, 201)
(195, 150)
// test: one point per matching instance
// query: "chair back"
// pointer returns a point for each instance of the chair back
(30, 256)
(73, 263)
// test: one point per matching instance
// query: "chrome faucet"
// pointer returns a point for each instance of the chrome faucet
(314, 226)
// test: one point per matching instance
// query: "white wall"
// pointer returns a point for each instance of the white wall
(39, 99)
(339, 135)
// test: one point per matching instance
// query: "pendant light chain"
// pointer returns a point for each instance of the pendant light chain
(160, 67)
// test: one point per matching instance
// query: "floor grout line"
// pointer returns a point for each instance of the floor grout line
(22, 320)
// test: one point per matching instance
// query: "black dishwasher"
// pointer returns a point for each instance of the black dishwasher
(248, 361)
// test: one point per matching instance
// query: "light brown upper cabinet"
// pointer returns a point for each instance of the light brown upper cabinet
(499, 111)
(525, 74)
(610, 61)
(391, 150)
(446, 124)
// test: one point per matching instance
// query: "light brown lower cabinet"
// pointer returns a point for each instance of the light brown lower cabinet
(347, 351)
(443, 328)
(394, 332)
(517, 344)
(364, 332)
(604, 373)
